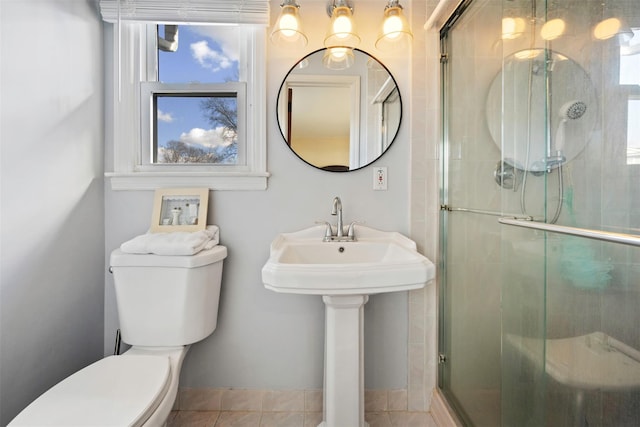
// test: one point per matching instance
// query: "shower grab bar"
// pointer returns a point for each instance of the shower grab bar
(606, 236)
(483, 212)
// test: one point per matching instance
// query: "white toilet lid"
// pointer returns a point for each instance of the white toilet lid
(115, 391)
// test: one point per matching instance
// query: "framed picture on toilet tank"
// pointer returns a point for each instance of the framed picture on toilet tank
(179, 209)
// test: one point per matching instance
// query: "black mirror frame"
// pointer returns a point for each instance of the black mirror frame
(339, 168)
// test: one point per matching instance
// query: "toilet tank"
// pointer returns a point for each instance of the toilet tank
(167, 300)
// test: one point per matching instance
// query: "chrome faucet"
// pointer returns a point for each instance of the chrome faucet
(337, 210)
(339, 235)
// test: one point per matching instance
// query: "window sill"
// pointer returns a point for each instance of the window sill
(213, 181)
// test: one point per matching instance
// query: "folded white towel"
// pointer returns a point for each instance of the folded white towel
(176, 243)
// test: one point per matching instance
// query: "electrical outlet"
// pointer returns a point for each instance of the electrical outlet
(380, 178)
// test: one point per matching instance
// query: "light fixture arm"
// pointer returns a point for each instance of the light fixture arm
(290, 3)
(393, 3)
(332, 4)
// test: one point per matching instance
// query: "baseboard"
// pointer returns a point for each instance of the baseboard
(217, 399)
(441, 412)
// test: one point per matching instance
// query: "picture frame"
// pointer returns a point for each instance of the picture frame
(179, 209)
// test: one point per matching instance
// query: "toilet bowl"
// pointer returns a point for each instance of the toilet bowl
(165, 304)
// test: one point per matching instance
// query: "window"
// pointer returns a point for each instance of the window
(193, 125)
(630, 77)
(189, 102)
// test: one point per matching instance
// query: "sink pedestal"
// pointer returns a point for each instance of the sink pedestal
(343, 361)
(345, 274)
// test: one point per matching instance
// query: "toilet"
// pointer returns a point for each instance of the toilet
(165, 304)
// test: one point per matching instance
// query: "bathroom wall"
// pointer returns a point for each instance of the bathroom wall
(266, 340)
(51, 209)
(424, 196)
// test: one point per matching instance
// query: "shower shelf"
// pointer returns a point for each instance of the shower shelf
(589, 362)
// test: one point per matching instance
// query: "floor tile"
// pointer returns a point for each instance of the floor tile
(194, 419)
(238, 419)
(282, 419)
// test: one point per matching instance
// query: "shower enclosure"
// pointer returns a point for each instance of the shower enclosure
(540, 218)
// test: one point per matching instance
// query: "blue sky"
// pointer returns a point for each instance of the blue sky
(206, 54)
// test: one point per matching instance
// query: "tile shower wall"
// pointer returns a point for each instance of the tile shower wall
(425, 138)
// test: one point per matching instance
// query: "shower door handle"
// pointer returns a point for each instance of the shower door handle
(605, 236)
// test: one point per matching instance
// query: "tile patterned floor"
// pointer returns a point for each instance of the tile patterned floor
(290, 419)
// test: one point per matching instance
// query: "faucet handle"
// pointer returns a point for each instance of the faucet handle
(351, 229)
(328, 232)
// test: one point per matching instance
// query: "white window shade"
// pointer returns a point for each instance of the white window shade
(186, 11)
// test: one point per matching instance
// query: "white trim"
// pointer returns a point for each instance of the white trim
(147, 92)
(385, 90)
(324, 81)
(186, 11)
(441, 14)
(441, 411)
(130, 52)
(153, 181)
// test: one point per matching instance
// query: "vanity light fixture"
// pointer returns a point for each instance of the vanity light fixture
(342, 29)
(395, 31)
(613, 27)
(338, 58)
(512, 27)
(552, 29)
(287, 30)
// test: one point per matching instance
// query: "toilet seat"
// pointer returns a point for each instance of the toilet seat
(115, 391)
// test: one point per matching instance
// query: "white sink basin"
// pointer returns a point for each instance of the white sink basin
(378, 261)
(345, 274)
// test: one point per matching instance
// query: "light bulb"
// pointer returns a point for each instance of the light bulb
(288, 25)
(342, 29)
(338, 53)
(392, 27)
(552, 29)
(395, 32)
(287, 30)
(527, 54)
(607, 28)
(342, 26)
(512, 28)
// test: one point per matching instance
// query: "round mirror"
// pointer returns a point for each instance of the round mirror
(541, 109)
(340, 118)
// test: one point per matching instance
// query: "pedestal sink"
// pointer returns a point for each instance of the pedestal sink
(344, 274)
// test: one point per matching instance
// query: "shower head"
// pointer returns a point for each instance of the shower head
(573, 110)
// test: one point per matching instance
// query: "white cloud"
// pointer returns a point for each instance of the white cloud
(225, 36)
(208, 57)
(165, 117)
(203, 137)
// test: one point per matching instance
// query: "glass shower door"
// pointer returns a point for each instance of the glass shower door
(540, 325)
(571, 330)
(470, 298)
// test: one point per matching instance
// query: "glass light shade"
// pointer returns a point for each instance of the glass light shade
(395, 31)
(512, 28)
(613, 27)
(527, 54)
(342, 29)
(287, 30)
(338, 58)
(553, 29)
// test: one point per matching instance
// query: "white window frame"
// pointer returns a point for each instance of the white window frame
(134, 59)
(148, 90)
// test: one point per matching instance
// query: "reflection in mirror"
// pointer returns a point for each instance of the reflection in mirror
(339, 120)
(541, 109)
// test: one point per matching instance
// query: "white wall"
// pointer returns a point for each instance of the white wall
(52, 211)
(269, 340)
